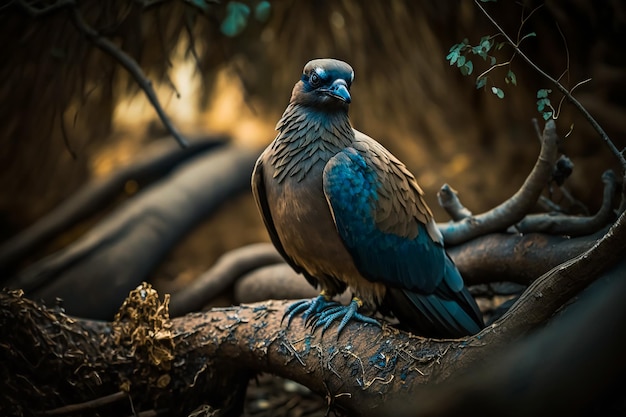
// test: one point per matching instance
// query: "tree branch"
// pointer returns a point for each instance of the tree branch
(561, 224)
(155, 161)
(516, 207)
(132, 67)
(224, 272)
(133, 239)
(619, 155)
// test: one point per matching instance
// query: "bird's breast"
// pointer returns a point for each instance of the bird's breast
(306, 229)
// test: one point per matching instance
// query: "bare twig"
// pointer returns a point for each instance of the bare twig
(132, 67)
(620, 157)
(449, 200)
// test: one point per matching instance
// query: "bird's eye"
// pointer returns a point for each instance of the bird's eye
(315, 79)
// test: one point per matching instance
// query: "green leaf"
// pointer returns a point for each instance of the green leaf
(543, 93)
(541, 104)
(236, 18)
(493, 60)
(461, 61)
(498, 92)
(453, 56)
(262, 11)
(481, 82)
(510, 77)
(469, 67)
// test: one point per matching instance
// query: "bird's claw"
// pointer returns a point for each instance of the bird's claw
(309, 308)
(321, 311)
(350, 312)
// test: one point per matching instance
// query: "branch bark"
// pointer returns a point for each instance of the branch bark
(366, 371)
(206, 358)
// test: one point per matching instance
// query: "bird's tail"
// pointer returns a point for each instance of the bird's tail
(448, 312)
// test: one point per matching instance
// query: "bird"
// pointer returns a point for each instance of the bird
(346, 213)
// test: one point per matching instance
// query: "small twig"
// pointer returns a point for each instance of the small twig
(501, 64)
(449, 200)
(574, 225)
(98, 402)
(132, 67)
(560, 87)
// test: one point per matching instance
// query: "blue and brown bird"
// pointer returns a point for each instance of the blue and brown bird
(346, 213)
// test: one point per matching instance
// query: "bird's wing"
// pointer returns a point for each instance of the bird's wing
(401, 200)
(388, 230)
(260, 196)
(382, 219)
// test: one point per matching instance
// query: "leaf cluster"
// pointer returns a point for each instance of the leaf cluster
(237, 15)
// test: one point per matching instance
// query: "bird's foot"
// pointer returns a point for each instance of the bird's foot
(309, 308)
(346, 313)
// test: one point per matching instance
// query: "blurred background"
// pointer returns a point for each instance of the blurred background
(70, 113)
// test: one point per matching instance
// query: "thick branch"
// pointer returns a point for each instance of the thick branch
(157, 159)
(133, 239)
(215, 352)
(204, 357)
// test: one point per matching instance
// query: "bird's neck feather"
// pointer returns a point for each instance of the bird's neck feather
(307, 135)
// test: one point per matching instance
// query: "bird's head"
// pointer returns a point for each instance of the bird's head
(325, 84)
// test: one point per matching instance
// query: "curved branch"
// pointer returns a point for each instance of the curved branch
(225, 272)
(516, 207)
(133, 69)
(574, 225)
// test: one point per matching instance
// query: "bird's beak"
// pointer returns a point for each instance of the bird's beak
(339, 90)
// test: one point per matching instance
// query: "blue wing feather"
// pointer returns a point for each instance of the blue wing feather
(351, 187)
(418, 271)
